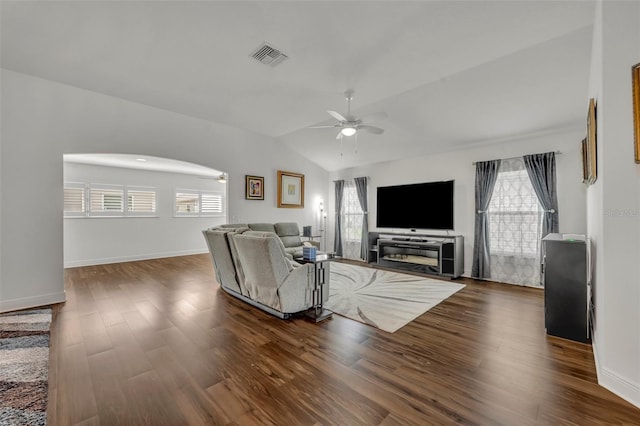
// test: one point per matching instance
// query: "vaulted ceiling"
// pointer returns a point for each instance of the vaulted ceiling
(449, 74)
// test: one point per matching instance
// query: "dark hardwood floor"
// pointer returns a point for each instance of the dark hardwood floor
(158, 343)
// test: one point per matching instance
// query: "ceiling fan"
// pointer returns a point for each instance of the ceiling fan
(349, 125)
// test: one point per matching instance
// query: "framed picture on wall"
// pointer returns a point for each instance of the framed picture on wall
(254, 187)
(584, 161)
(592, 160)
(635, 78)
(290, 190)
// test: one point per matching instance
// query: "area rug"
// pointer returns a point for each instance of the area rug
(24, 367)
(384, 299)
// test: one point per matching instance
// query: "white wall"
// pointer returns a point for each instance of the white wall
(42, 120)
(458, 166)
(98, 240)
(614, 201)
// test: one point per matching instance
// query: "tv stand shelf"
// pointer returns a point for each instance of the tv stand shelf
(441, 255)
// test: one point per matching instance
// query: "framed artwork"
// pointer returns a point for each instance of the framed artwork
(635, 77)
(290, 190)
(254, 187)
(592, 160)
(584, 160)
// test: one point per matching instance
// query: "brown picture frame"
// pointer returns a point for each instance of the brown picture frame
(584, 161)
(635, 82)
(592, 156)
(290, 190)
(254, 187)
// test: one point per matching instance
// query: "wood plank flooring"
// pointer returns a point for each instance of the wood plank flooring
(158, 343)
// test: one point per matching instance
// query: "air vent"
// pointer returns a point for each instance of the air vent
(268, 55)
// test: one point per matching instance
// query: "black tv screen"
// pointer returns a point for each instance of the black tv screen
(427, 205)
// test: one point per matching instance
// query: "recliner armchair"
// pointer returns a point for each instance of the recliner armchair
(289, 234)
(254, 266)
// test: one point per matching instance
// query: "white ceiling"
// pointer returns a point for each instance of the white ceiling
(449, 74)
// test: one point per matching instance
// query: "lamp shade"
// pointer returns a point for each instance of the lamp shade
(348, 131)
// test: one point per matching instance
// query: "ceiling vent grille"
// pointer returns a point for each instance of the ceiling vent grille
(268, 55)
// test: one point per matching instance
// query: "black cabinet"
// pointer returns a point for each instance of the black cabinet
(566, 290)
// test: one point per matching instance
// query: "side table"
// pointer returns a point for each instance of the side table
(320, 277)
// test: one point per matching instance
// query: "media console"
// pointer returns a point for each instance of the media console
(428, 254)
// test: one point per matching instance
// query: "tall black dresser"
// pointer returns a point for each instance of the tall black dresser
(566, 290)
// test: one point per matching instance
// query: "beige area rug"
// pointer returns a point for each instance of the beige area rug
(384, 299)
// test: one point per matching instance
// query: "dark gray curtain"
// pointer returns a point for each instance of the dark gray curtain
(337, 239)
(361, 188)
(542, 173)
(486, 176)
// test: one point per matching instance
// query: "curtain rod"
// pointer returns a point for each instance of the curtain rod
(368, 177)
(513, 158)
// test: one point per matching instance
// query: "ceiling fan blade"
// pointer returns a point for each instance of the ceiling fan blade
(371, 129)
(322, 127)
(372, 118)
(339, 135)
(337, 115)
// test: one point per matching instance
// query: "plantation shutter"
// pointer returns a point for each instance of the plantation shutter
(195, 202)
(187, 202)
(106, 200)
(74, 199)
(211, 203)
(141, 201)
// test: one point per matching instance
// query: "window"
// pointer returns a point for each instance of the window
(141, 201)
(352, 216)
(515, 226)
(106, 200)
(74, 199)
(515, 216)
(211, 203)
(98, 200)
(198, 203)
(187, 203)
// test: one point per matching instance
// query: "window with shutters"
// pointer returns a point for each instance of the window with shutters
(74, 199)
(187, 203)
(106, 200)
(141, 201)
(198, 203)
(99, 200)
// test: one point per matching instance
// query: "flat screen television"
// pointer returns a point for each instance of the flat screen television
(427, 205)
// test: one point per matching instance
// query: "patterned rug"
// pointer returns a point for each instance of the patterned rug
(386, 300)
(24, 366)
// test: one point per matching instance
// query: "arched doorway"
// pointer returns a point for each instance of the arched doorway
(122, 207)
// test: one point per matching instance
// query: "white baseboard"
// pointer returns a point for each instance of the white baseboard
(121, 259)
(32, 302)
(622, 387)
(596, 355)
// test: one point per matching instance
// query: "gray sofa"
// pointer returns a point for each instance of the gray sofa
(255, 267)
(288, 232)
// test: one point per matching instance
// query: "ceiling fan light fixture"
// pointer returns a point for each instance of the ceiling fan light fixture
(222, 178)
(348, 131)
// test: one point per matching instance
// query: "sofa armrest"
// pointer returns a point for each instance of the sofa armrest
(296, 291)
